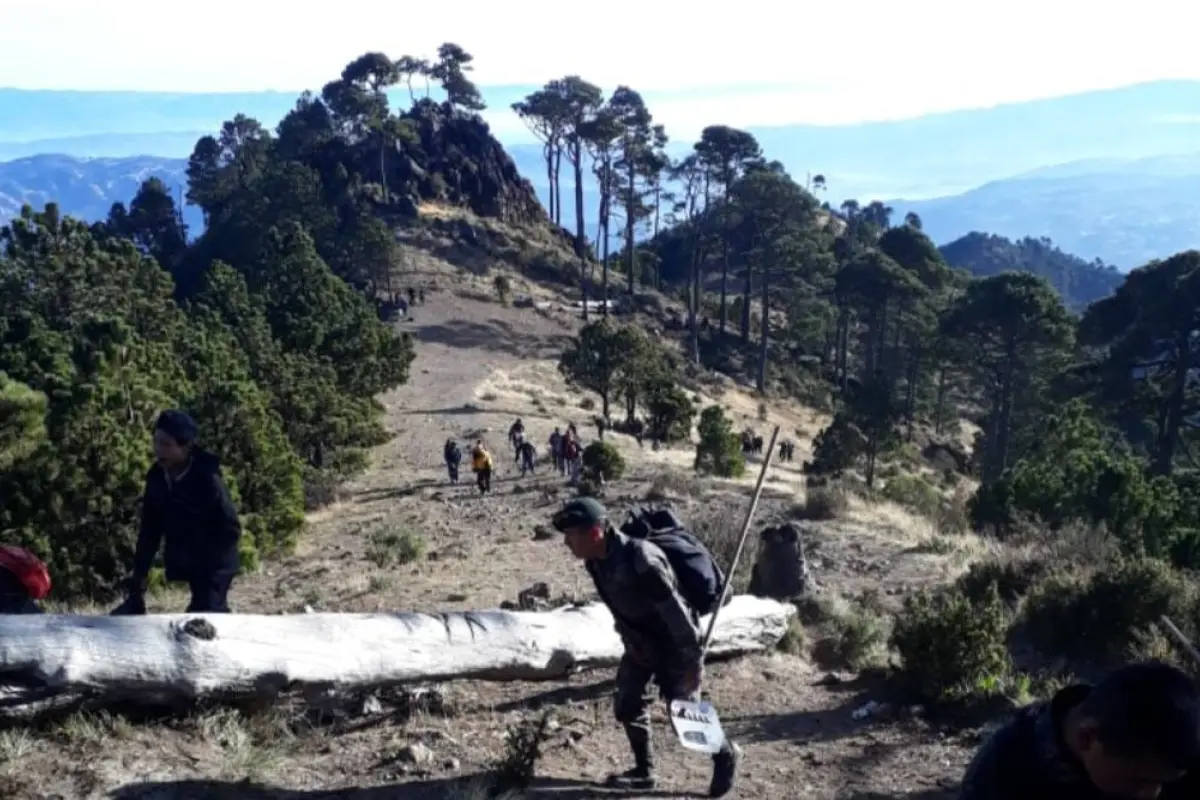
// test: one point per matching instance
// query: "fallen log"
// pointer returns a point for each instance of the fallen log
(50, 660)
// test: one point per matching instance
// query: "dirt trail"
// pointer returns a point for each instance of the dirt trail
(479, 366)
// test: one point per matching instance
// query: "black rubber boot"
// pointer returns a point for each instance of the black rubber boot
(725, 768)
(641, 777)
(635, 780)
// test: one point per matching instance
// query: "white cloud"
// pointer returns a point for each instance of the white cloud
(882, 59)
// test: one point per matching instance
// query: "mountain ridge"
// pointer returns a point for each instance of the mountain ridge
(918, 157)
(1021, 207)
(1124, 212)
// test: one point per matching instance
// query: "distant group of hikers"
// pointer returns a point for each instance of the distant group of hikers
(565, 447)
(481, 463)
(1135, 735)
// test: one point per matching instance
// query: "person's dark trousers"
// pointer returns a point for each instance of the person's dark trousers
(453, 469)
(484, 478)
(210, 595)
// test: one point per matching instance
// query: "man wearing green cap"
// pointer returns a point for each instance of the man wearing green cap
(659, 630)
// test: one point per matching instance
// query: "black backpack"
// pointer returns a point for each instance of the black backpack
(701, 582)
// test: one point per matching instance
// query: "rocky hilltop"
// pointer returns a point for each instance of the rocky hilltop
(456, 160)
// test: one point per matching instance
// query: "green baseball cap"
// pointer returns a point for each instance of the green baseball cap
(579, 513)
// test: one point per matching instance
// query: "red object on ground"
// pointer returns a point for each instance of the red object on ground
(28, 569)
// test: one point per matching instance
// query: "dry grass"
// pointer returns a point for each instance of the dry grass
(16, 745)
(249, 749)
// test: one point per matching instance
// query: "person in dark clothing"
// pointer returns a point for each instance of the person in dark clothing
(412, 296)
(556, 449)
(186, 508)
(659, 630)
(638, 429)
(526, 456)
(24, 580)
(516, 435)
(1135, 735)
(453, 456)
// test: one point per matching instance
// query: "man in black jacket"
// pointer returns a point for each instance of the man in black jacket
(187, 504)
(659, 630)
(1135, 735)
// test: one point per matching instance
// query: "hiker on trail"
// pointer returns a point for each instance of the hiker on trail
(453, 456)
(556, 450)
(526, 456)
(185, 508)
(637, 428)
(412, 296)
(659, 628)
(1134, 735)
(421, 296)
(481, 463)
(402, 304)
(516, 434)
(573, 457)
(601, 424)
(24, 580)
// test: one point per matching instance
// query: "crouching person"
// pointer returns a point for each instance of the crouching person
(187, 510)
(24, 580)
(1135, 735)
(659, 629)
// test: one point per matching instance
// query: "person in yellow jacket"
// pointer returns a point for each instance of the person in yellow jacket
(481, 463)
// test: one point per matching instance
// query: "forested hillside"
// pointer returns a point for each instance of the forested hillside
(269, 325)
(1080, 282)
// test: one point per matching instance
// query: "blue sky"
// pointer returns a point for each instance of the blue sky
(772, 63)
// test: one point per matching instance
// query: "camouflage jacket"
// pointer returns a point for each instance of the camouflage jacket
(1028, 760)
(636, 582)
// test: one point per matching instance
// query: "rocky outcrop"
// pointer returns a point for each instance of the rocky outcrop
(457, 161)
(780, 571)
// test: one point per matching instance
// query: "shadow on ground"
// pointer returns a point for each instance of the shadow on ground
(927, 794)
(801, 726)
(580, 693)
(466, 788)
(494, 335)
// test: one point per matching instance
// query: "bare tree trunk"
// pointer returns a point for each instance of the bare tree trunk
(51, 660)
(558, 185)
(605, 199)
(1164, 458)
(724, 282)
(630, 220)
(549, 152)
(764, 344)
(580, 235)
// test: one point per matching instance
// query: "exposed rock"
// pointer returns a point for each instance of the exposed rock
(535, 597)
(780, 571)
(459, 162)
(415, 753)
(947, 456)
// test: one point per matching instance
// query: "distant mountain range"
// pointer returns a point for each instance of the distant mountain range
(930, 156)
(1124, 212)
(1110, 174)
(86, 188)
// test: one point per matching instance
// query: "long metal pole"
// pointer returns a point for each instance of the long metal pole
(737, 556)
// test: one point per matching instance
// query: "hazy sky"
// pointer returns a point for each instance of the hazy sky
(769, 61)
